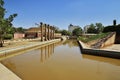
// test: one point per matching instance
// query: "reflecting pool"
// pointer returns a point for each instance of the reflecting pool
(62, 61)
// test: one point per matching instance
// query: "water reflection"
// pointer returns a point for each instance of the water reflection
(42, 58)
(102, 59)
(71, 43)
(46, 52)
(99, 71)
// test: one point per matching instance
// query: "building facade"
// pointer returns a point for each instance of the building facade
(33, 32)
(39, 32)
(72, 27)
(19, 35)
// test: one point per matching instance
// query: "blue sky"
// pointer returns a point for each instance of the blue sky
(61, 13)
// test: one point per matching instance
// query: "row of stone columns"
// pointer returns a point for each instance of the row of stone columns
(47, 31)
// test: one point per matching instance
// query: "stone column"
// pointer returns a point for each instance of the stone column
(41, 28)
(114, 22)
(53, 33)
(48, 32)
(45, 32)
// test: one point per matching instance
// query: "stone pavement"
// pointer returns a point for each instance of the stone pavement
(114, 47)
(6, 74)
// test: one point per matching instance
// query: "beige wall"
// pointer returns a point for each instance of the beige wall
(58, 34)
(19, 35)
(110, 41)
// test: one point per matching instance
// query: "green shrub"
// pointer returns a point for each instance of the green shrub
(8, 36)
(95, 37)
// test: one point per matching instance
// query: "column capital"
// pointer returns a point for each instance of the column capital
(41, 23)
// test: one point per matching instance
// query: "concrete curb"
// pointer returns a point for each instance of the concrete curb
(24, 47)
(98, 52)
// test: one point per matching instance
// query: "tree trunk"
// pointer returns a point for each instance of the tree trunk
(1, 43)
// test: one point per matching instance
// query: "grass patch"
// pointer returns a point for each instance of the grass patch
(91, 38)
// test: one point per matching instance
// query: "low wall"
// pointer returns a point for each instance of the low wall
(117, 40)
(106, 41)
(98, 52)
(19, 35)
(103, 53)
(109, 41)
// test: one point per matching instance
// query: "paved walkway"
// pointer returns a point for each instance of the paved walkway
(6, 74)
(15, 43)
(115, 47)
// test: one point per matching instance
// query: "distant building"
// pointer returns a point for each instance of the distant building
(33, 32)
(19, 35)
(72, 27)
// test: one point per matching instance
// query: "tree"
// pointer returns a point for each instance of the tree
(99, 27)
(69, 33)
(64, 32)
(20, 30)
(5, 23)
(56, 29)
(77, 31)
(95, 28)
(91, 29)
